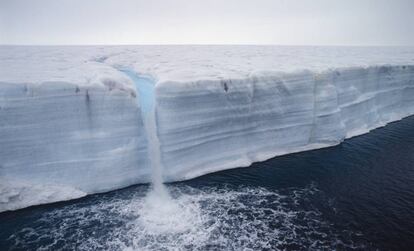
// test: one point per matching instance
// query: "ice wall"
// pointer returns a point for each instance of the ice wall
(60, 141)
(205, 126)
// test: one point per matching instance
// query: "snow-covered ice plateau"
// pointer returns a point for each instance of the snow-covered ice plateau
(72, 118)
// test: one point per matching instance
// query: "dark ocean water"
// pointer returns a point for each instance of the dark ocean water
(355, 196)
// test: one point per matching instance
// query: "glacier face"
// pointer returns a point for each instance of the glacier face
(70, 123)
(206, 126)
(88, 139)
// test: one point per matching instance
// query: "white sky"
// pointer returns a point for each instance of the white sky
(286, 22)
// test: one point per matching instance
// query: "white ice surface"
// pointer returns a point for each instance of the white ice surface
(69, 118)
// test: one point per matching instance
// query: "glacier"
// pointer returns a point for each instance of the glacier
(236, 122)
(74, 120)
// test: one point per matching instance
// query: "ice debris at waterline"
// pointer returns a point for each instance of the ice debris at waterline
(71, 118)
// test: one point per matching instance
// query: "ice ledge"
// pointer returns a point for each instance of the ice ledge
(15, 194)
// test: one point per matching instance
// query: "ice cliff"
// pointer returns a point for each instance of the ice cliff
(71, 122)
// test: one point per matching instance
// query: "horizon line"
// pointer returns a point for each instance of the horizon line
(215, 44)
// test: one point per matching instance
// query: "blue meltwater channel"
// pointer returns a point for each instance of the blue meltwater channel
(145, 87)
(146, 101)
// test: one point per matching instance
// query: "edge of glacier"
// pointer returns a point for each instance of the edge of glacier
(203, 126)
(211, 125)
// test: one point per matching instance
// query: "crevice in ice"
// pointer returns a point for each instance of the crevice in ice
(88, 99)
(88, 109)
(225, 86)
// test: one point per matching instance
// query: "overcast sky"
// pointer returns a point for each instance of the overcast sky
(285, 22)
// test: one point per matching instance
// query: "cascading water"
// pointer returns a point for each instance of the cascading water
(160, 213)
(146, 99)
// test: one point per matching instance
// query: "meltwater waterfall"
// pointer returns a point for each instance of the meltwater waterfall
(160, 213)
(146, 99)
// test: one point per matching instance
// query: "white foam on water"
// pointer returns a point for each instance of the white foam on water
(162, 214)
(193, 219)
